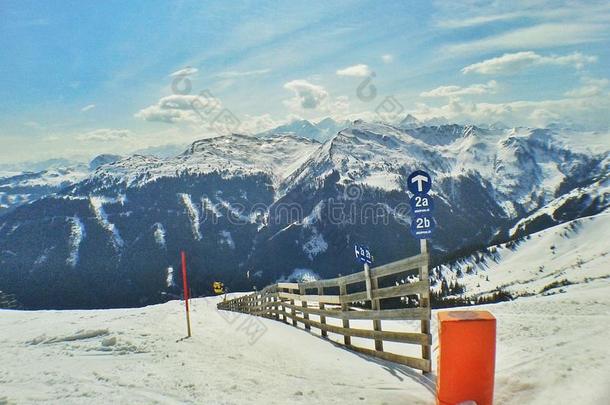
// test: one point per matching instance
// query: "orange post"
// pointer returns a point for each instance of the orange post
(467, 357)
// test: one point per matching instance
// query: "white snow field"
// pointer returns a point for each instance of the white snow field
(570, 253)
(551, 350)
(552, 345)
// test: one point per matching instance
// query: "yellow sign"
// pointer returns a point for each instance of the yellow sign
(219, 288)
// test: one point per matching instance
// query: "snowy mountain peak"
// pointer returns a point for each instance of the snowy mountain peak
(102, 160)
(329, 123)
(410, 122)
(230, 155)
(321, 131)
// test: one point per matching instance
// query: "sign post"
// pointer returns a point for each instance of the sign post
(364, 255)
(422, 227)
(367, 276)
(185, 285)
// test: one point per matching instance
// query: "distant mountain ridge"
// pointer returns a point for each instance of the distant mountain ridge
(45, 178)
(283, 204)
(320, 131)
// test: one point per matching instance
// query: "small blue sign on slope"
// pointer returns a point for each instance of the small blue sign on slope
(422, 226)
(363, 254)
(421, 204)
(419, 182)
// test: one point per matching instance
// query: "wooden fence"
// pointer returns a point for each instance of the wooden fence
(297, 301)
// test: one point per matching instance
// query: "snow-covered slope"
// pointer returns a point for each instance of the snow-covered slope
(575, 252)
(23, 188)
(550, 350)
(579, 202)
(368, 154)
(232, 155)
(40, 179)
(162, 151)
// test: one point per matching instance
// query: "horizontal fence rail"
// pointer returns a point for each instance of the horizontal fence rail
(295, 302)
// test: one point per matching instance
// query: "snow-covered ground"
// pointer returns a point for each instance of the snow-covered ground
(573, 252)
(551, 350)
(554, 349)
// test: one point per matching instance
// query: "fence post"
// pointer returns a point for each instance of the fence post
(261, 304)
(322, 317)
(276, 305)
(263, 307)
(292, 311)
(347, 340)
(424, 299)
(376, 305)
(282, 302)
(304, 305)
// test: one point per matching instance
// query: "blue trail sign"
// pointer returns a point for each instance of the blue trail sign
(422, 226)
(419, 182)
(421, 204)
(363, 254)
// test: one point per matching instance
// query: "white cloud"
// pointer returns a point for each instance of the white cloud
(179, 108)
(359, 70)
(231, 74)
(306, 95)
(105, 135)
(590, 87)
(88, 107)
(456, 91)
(387, 58)
(589, 112)
(546, 35)
(254, 124)
(477, 20)
(467, 14)
(187, 71)
(511, 63)
(340, 108)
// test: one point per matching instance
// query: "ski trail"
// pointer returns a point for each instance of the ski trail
(77, 234)
(193, 215)
(97, 204)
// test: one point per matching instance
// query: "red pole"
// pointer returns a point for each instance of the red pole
(186, 293)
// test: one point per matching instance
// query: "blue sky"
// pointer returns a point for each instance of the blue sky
(84, 77)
